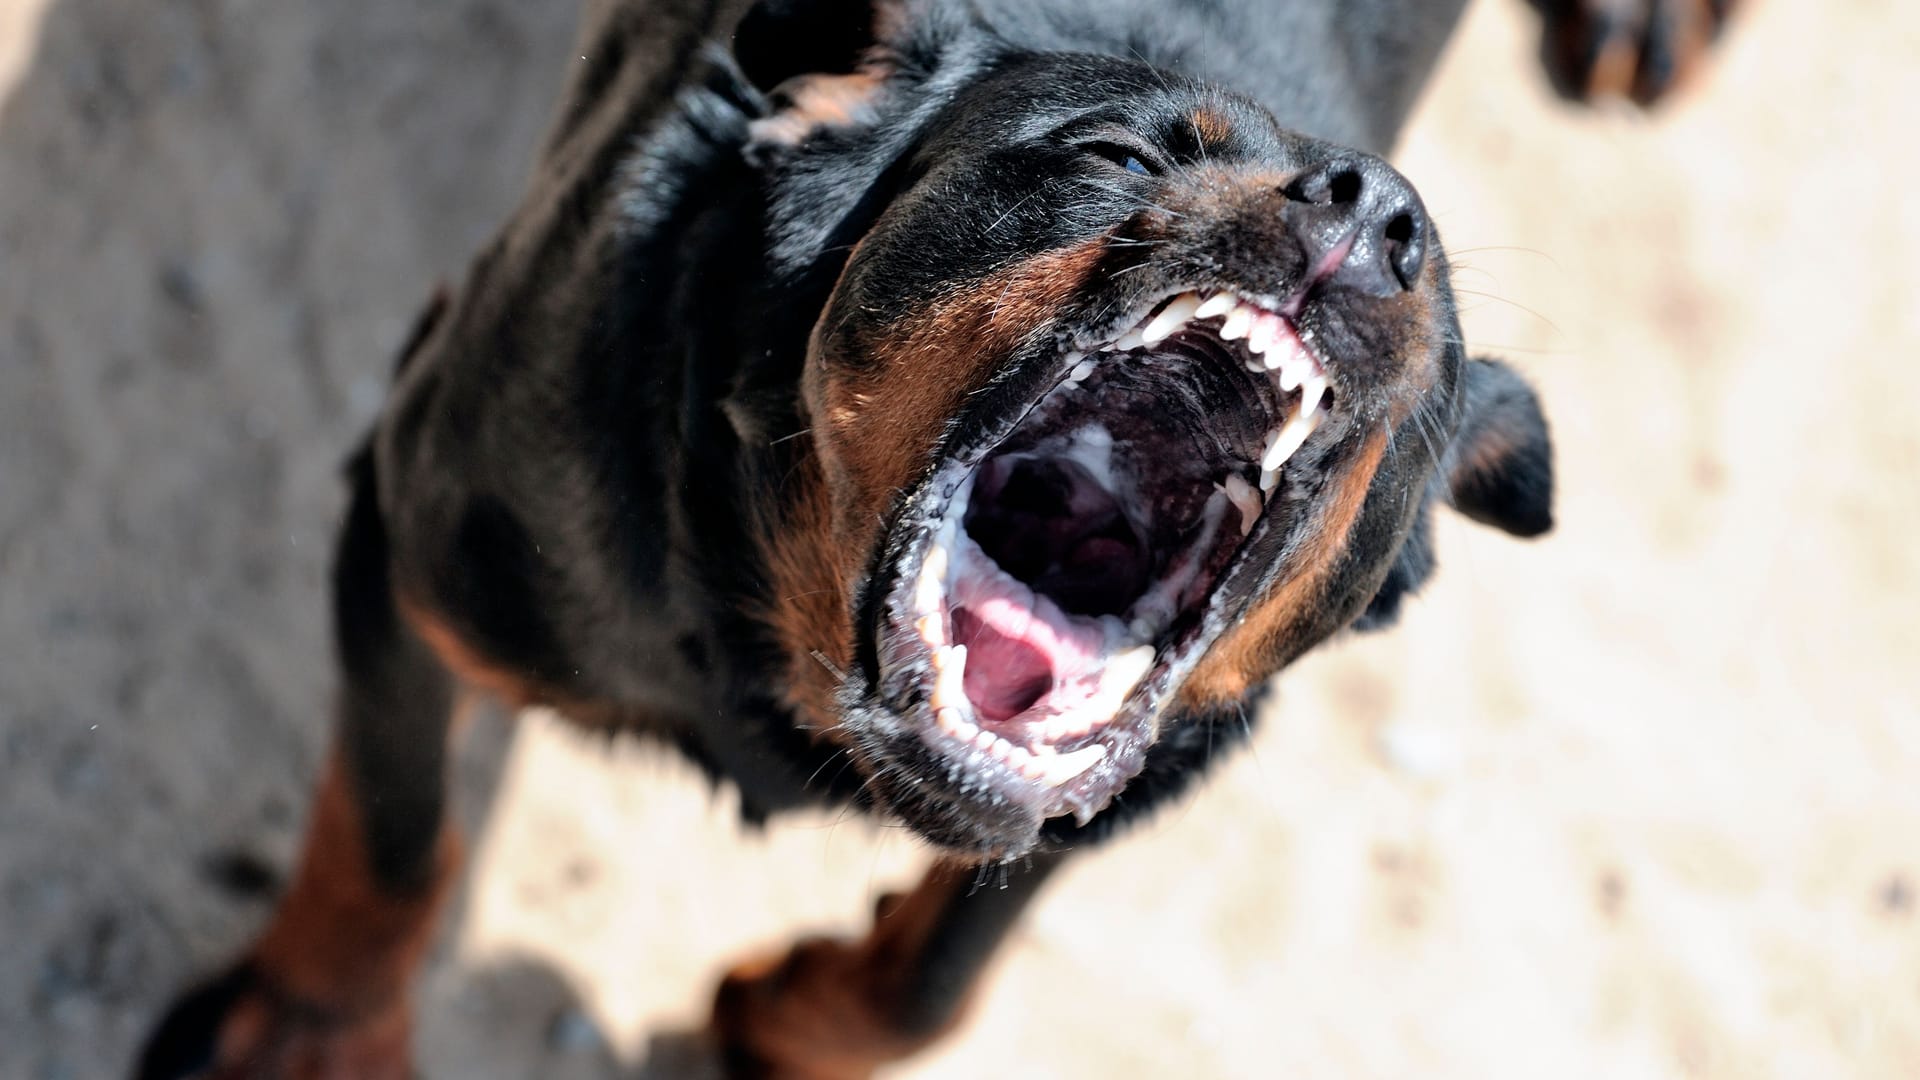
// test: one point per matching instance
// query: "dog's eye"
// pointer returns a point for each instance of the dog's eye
(1124, 156)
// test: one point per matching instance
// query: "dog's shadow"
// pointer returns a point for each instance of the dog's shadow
(521, 1016)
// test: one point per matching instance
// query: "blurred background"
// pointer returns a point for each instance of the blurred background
(1638, 800)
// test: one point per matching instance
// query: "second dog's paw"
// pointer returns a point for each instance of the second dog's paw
(1636, 49)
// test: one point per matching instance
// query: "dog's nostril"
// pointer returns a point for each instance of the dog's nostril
(1406, 247)
(1400, 229)
(1336, 184)
(1344, 188)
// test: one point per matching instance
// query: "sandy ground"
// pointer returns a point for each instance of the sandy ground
(1642, 800)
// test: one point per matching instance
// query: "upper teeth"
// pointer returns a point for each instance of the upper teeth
(1274, 348)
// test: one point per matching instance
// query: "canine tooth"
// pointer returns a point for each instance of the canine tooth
(1245, 500)
(949, 682)
(1312, 389)
(1237, 324)
(932, 580)
(1269, 479)
(1058, 770)
(1130, 341)
(1217, 304)
(926, 594)
(1298, 427)
(1125, 671)
(932, 629)
(1171, 318)
(1266, 450)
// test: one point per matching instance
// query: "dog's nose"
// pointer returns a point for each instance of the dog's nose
(1360, 223)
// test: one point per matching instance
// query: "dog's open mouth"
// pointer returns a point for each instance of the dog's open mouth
(1066, 576)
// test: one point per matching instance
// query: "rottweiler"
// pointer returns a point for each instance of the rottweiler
(986, 396)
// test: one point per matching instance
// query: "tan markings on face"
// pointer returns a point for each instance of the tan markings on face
(1211, 125)
(817, 101)
(878, 414)
(1256, 646)
(808, 605)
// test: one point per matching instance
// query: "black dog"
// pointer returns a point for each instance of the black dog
(993, 394)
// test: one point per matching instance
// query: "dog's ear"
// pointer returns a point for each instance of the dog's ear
(815, 60)
(1498, 470)
(778, 40)
(1499, 467)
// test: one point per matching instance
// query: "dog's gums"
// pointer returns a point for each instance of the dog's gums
(1077, 555)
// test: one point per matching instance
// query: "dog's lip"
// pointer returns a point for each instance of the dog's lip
(1082, 773)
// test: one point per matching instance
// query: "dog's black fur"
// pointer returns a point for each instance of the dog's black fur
(582, 487)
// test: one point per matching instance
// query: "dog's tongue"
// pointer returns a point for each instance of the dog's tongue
(1007, 671)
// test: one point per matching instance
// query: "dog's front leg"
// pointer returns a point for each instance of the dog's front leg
(836, 1010)
(322, 995)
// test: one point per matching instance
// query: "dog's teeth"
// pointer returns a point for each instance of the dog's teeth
(932, 582)
(1295, 367)
(1143, 629)
(1285, 352)
(949, 681)
(984, 740)
(1252, 363)
(1267, 451)
(1312, 389)
(933, 630)
(1289, 437)
(1130, 341)
(1124, 672)
(1245, 500)
(1083, 811)
(1269, 479)
(955, 723)
(1171, 318)
(1263, 335)
(1238, 323)
(1055, 771)
(1080, 371)
(1217, 304)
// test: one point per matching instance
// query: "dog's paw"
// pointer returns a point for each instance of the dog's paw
(1636, 49)
(821, 1011)
(240, 1026)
